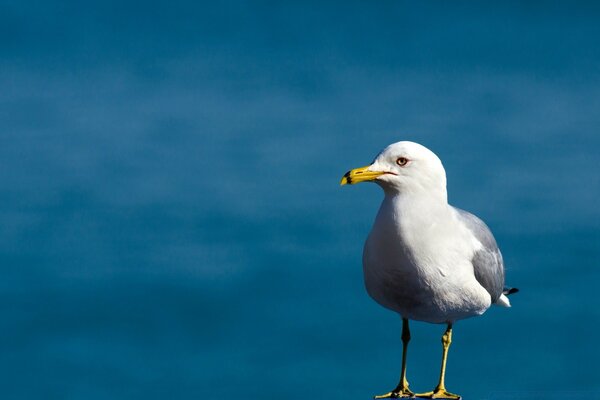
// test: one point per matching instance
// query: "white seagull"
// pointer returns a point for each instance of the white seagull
(424, 259)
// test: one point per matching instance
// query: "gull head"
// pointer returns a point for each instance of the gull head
(404, 168)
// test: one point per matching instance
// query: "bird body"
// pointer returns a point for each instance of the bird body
(424, 259)
(417, 262)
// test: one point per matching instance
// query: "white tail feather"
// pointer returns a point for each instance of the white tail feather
(503, 301)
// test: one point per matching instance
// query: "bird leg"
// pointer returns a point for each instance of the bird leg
(402, 389)
(440, 390)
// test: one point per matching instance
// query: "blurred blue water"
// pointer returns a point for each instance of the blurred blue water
(171, 223)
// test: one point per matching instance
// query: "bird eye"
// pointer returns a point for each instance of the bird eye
(402, 161)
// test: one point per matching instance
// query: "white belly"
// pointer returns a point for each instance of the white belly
(425, 280)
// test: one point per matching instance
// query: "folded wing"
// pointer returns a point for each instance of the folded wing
(487, 262)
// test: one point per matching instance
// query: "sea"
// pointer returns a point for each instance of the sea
(172, 224)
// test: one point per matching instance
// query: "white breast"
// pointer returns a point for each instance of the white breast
(417, 261)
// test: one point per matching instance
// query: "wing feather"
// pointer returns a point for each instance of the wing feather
(488, 265)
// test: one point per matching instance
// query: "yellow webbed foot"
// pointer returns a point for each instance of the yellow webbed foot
(397, 394)
(439, 393)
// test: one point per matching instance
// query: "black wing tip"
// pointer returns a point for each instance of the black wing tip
(509, 291)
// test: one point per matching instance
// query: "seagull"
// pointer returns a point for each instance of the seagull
(425, 259)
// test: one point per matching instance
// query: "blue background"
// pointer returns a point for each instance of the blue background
(171, 224)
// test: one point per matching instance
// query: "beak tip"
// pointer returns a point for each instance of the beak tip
(346, 180)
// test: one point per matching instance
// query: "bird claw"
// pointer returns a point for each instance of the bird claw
(439, 394)
(396, 394)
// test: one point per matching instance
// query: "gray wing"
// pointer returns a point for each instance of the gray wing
(487, 262)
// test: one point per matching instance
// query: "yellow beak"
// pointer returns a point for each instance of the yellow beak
(360, 175)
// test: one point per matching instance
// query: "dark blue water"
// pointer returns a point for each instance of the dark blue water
(171, 224)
